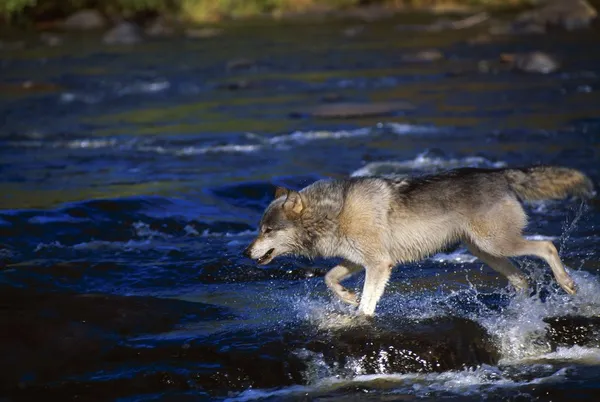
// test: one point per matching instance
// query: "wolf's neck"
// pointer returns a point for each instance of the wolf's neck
(325, 201)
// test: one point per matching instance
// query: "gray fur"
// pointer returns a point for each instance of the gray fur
(378, 223)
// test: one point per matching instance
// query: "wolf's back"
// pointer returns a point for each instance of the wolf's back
(548, 182)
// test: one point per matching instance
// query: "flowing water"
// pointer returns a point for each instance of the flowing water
(132, 179)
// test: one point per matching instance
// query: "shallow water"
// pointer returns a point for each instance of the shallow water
(131, 180)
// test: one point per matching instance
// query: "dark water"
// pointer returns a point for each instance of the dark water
(131, 180)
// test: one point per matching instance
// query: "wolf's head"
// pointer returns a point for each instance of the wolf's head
(280, 231)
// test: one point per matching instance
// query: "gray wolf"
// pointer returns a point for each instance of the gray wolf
(376, 223)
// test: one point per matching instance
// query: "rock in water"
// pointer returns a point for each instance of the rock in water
(573, 330)
(289, 355)
(124, 33)
(533, 62)
(85, 20)
(568, 14)
(398, 346)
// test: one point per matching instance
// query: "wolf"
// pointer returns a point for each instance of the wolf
(377, 223)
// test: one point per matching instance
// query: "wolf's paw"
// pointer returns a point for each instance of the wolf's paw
(348, 297)
(568, 285)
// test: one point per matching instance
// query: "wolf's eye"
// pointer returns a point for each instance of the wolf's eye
(268, 230)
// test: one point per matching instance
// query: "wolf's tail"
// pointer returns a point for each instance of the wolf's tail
(548, 182)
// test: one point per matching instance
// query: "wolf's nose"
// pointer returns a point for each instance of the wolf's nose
(246, 252)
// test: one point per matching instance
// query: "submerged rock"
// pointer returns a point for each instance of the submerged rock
(347, 110)
(533, 62)
(567, 14)
(124, 33)
(85, 20)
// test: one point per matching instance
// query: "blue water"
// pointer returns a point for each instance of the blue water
(132, 179)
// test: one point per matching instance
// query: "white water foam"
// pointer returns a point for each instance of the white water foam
(423, 161)
(143, 87)
(520, 328)
(471, 382)
(143, 230)
(283, 141)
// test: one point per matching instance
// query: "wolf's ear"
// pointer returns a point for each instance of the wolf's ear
(281, 191)
(293, 204)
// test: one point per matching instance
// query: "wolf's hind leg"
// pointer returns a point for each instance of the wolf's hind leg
(339, 273)
(377, 277)
(501, 265)
(546, 251)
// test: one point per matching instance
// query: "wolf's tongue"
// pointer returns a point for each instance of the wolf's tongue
(266, 256)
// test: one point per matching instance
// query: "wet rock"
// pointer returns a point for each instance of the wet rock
(160, 27)
(85, 20)
(428, 55)
(203, 33)
(50, 39)
(573, 330)
(533, 62)
(567, 14)
(287, 356)
(393, 346)
(124, 33)
(348, 110)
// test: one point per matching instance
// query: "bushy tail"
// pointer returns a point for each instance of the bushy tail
(548, 182)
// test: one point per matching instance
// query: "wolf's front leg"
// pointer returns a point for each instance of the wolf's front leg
(377, 276)
(339, 273)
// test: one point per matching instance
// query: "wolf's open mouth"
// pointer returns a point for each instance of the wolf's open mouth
(267, 257)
